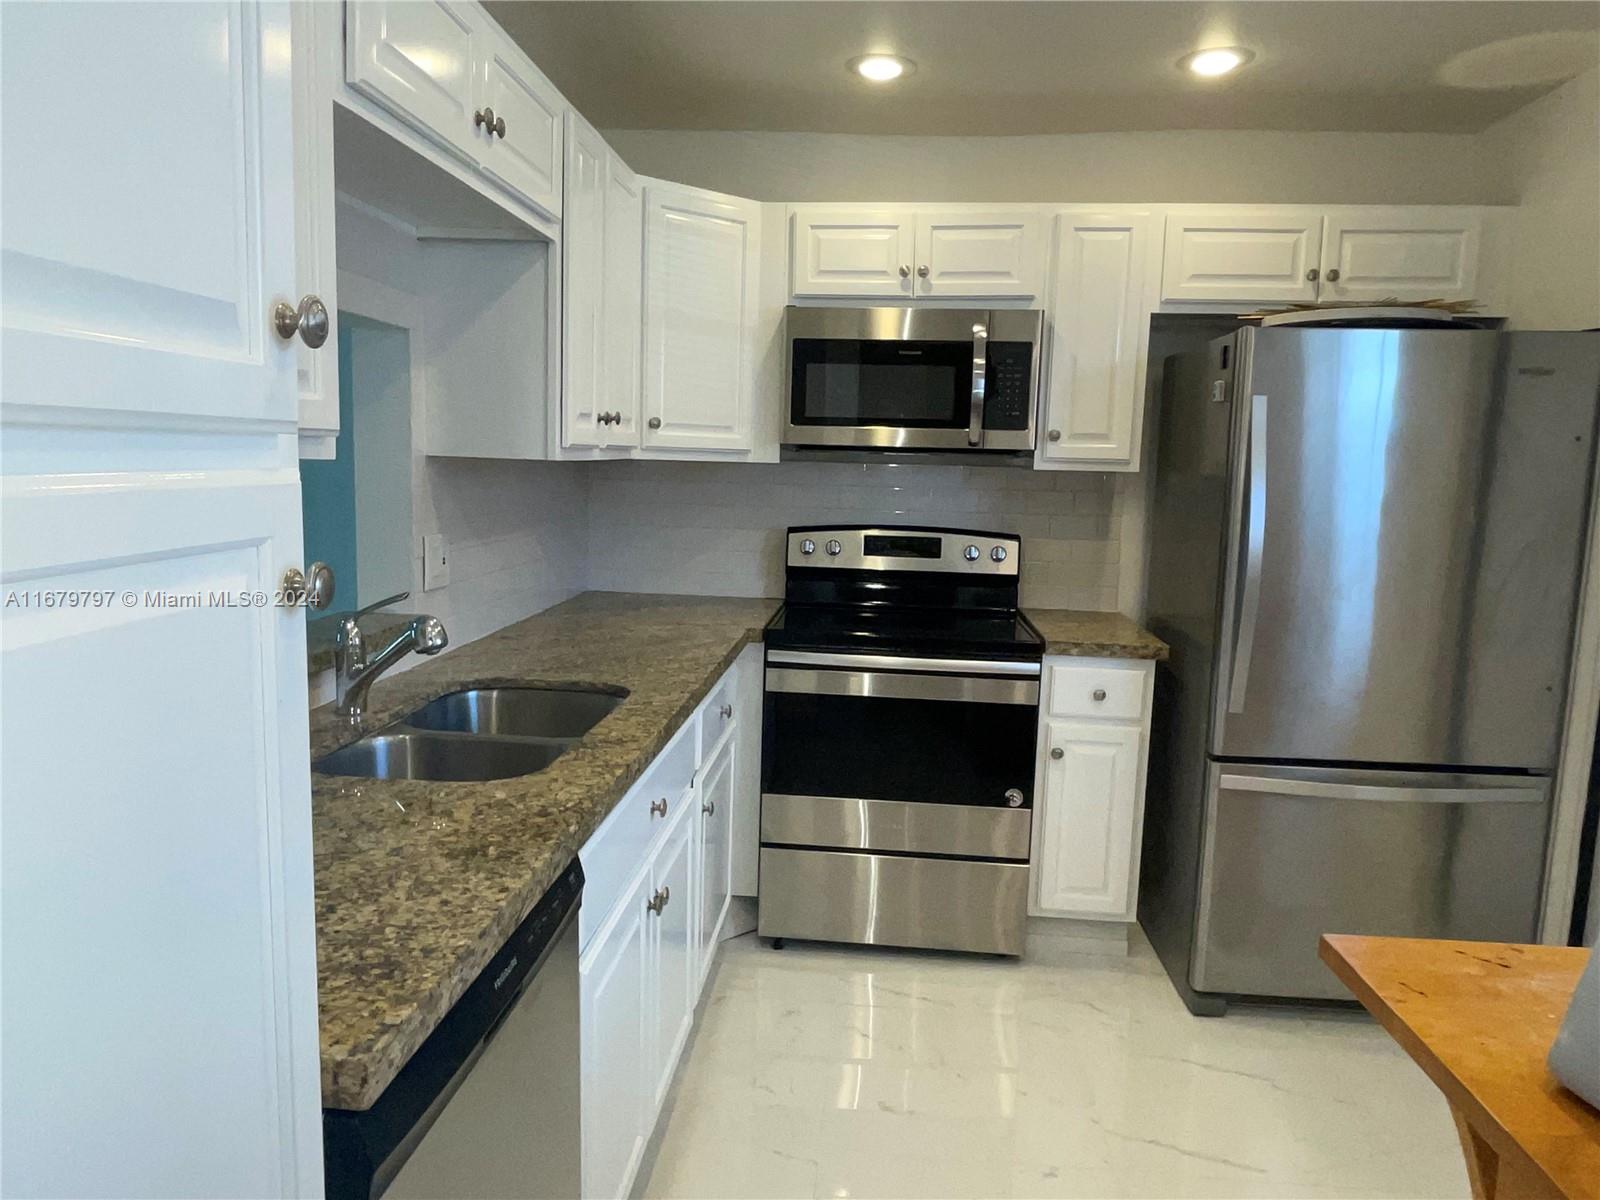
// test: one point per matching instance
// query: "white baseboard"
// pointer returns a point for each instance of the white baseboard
(1050, 937)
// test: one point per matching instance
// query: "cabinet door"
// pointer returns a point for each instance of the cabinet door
(1101, 319)
(1246, 255)
(623, 326)
(716, 848)
(1400, 253)
(851, 252)
(674, 958)
(1089, 805)
(980, 254)
(143, 246)
(163, 834)
(700, 273)
(314, 46)
(524, 153)
(415, 58)
(616, 1029)
(583, 287)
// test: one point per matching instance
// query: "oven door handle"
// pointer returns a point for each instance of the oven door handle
(980, 372)
(895, 662)
(893, 685)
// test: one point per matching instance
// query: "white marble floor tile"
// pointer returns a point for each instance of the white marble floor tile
(835, 1072)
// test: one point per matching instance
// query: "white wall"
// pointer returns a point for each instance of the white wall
(718, 528)
(1550, 151)
(1186, 166)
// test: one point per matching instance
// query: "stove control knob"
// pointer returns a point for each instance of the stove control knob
(971, 553)
(998, 554)
(807, 546)
(833, 547)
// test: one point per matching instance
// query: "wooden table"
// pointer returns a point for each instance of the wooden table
(1479, 1018)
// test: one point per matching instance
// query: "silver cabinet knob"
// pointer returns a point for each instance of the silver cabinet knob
(1333, 275)
(709, 808)
(726, 710)
(657, 902)
(309, 320)
(603, 419)
(1311, 275)
(658, 808)
(1099, 694)
(905, 271)
(807, 546)
(484, 119)
(654, 422)
(1054, 435)
(312, 588)
(1057, 752)
(971, 554)
(1014, 797)
(833, 547)
(500, 127)
(922, 271)
(998, 554)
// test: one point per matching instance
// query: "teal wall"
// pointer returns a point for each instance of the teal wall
(328, 492)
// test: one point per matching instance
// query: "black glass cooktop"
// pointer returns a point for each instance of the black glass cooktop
(928, 633)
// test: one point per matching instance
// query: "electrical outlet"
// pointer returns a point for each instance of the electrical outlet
(435, 562)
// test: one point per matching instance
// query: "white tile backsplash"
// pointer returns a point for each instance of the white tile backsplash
(717, 528)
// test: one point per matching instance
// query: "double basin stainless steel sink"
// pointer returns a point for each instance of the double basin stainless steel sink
(477, 734)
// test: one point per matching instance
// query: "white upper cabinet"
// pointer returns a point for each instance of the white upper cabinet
(623, 326)
(1404, 253)
(995, 254)
(916, 251)
(143, 250)
(585, 418)
(1250, 254)
(315, 37)
(455, 76)
(701, 269)
(866, 252)
(519, 113)
(415, 57)
(1100, 319)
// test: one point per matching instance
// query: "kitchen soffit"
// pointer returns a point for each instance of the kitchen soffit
(1004, 67)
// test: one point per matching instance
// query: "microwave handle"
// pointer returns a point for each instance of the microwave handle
(980, 370)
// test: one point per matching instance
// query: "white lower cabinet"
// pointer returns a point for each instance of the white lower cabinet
(1094, 736)
(648, 945)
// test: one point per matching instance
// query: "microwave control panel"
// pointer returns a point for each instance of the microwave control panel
(1008, 386)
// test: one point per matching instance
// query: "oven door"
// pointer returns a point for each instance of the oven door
(913, 379)
(905, 756)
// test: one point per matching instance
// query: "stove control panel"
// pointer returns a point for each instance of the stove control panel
(908, 548)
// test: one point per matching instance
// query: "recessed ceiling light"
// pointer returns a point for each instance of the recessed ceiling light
(1218, 60)
(881, 68)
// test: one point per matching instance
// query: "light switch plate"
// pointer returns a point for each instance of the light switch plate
(435, 562)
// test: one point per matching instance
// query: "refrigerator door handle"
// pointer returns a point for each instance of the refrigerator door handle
(1255, 538)
(1533, 792)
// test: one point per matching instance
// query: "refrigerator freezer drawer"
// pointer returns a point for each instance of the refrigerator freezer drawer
(1291, 853)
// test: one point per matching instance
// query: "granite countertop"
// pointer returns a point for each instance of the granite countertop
(418, 884)
(1094, 634)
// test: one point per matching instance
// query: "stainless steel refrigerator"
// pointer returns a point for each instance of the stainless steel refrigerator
(1366, 548)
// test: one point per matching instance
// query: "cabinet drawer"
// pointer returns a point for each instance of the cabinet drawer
(616, 851)
(1111, 692)
(718, 712)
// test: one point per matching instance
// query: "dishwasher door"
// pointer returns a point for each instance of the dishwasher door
(512, 1128)
(1291, 853)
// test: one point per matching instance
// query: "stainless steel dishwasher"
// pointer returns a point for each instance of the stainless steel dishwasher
(488, 1106)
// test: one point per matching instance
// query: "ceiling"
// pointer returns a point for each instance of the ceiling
(1004, 67)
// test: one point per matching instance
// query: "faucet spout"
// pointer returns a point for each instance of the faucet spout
(354, 671)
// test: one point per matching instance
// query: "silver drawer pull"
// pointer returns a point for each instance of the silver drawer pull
(1056, 752)
(659, 807)
(709, 808)
(657, 902)
(726, 710)
(1099, 694)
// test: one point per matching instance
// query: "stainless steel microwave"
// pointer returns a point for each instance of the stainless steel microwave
(915, 379)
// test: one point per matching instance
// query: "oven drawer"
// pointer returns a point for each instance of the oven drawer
(1111, 693)
(882, 900)
(896, 825)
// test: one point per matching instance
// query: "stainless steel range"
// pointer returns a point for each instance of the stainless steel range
(902, 691)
